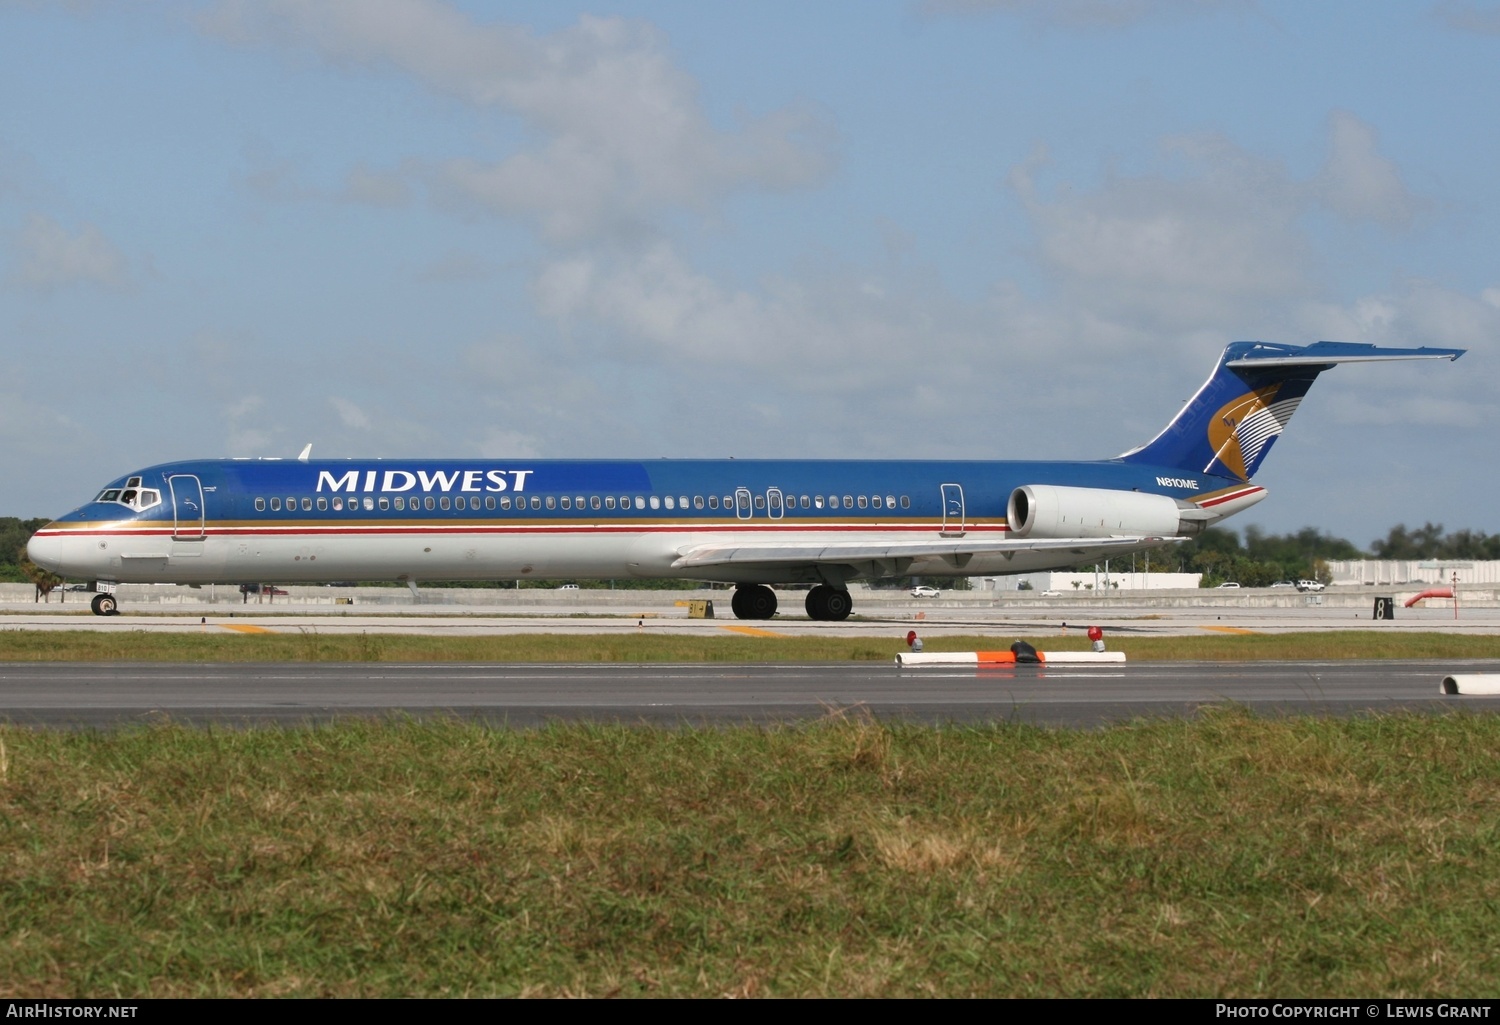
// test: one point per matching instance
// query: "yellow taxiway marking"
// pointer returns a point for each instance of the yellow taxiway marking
(752, 631)
(246, 628)
(1228, 629)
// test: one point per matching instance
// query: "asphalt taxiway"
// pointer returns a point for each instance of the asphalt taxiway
(87, 695)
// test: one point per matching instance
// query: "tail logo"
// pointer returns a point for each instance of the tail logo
(1241, 430)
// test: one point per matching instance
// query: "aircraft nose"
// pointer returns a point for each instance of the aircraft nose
(46, 551)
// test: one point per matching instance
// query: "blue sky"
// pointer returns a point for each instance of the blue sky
(1004, 229)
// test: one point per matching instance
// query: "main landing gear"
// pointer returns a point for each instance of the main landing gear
(753, 601)
(831, 604)
(105, 605)
(757, 601)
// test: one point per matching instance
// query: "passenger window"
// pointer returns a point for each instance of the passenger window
(291, 505)
(369, 505)
(536, 503)
(640, 503)
(323, 504)
(862, 501)
(505, 501)
(489, 501)
(729, 501)
(594, 502)
(670, 502)
(429, 503)
(655, 502)
(460, 502)
(567, 503)
(307, 505)
(817, 501)
(276, 505)
(578, 502)
(848, 501)
(384, 503)
(713, 501)
(399, 502)
(697, 501)
(609, 501)
(260, 504)
(890, 501)
(551, 502)
(806, 502)
(906, 501)
(338, 505)
(445, 503)
(682, 502)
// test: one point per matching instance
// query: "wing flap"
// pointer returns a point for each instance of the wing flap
(813, 553)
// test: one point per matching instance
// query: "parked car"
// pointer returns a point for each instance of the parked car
(567, 587)
(923, 591)
(1309, 585)
(1283, 583)
(1051, 594)
(1232, 584)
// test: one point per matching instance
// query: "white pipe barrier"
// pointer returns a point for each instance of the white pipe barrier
(911, 659)
(1471, 683)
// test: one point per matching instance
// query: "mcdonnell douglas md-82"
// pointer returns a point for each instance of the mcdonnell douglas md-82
(753, 523)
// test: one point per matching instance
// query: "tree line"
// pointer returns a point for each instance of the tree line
(1262, 559)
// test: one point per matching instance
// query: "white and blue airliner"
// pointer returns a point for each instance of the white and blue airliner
(753, 523)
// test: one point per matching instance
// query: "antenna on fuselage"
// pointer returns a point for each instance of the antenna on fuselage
(306, 452)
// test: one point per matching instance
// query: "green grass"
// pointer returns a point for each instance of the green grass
(1226, 856)
(213, 645)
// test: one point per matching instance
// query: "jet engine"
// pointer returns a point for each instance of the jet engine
(1047, 511)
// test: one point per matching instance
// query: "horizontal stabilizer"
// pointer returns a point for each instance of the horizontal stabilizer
(1327, 354)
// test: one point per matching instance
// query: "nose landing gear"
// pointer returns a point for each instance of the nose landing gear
(105, 605)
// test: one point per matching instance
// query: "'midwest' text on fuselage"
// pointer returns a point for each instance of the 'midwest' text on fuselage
(394, 481)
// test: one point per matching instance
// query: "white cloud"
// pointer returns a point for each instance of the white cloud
(1202, 248)
(500, 444)
(350, 415)
(51, 257)
(1088, 14)
(623, 135)
(1469, 17)
(1357, 182)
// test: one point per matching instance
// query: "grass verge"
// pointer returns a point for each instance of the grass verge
(309, 646)
(1226, 856)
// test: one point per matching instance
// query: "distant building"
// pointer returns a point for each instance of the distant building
(1388, 572)
(1080, 581)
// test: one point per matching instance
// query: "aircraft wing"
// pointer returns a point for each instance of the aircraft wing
(896, 554)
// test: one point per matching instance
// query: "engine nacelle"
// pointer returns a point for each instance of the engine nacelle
(1047, 511)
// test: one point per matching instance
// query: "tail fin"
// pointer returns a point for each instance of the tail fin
(1230, 425)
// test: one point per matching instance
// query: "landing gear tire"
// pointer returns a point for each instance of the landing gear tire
(829, 604)
(104, 605)
(753, 601)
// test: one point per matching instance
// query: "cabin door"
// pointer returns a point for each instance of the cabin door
(187, 507)
(953, 511)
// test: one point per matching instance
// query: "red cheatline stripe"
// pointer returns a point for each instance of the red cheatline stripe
(1229, 497)
(474, 528)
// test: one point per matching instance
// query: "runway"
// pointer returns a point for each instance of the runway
(82, 695)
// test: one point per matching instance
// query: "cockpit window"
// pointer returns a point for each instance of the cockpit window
(132, 495)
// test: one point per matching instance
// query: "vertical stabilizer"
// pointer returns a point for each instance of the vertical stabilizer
(1227, 428)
